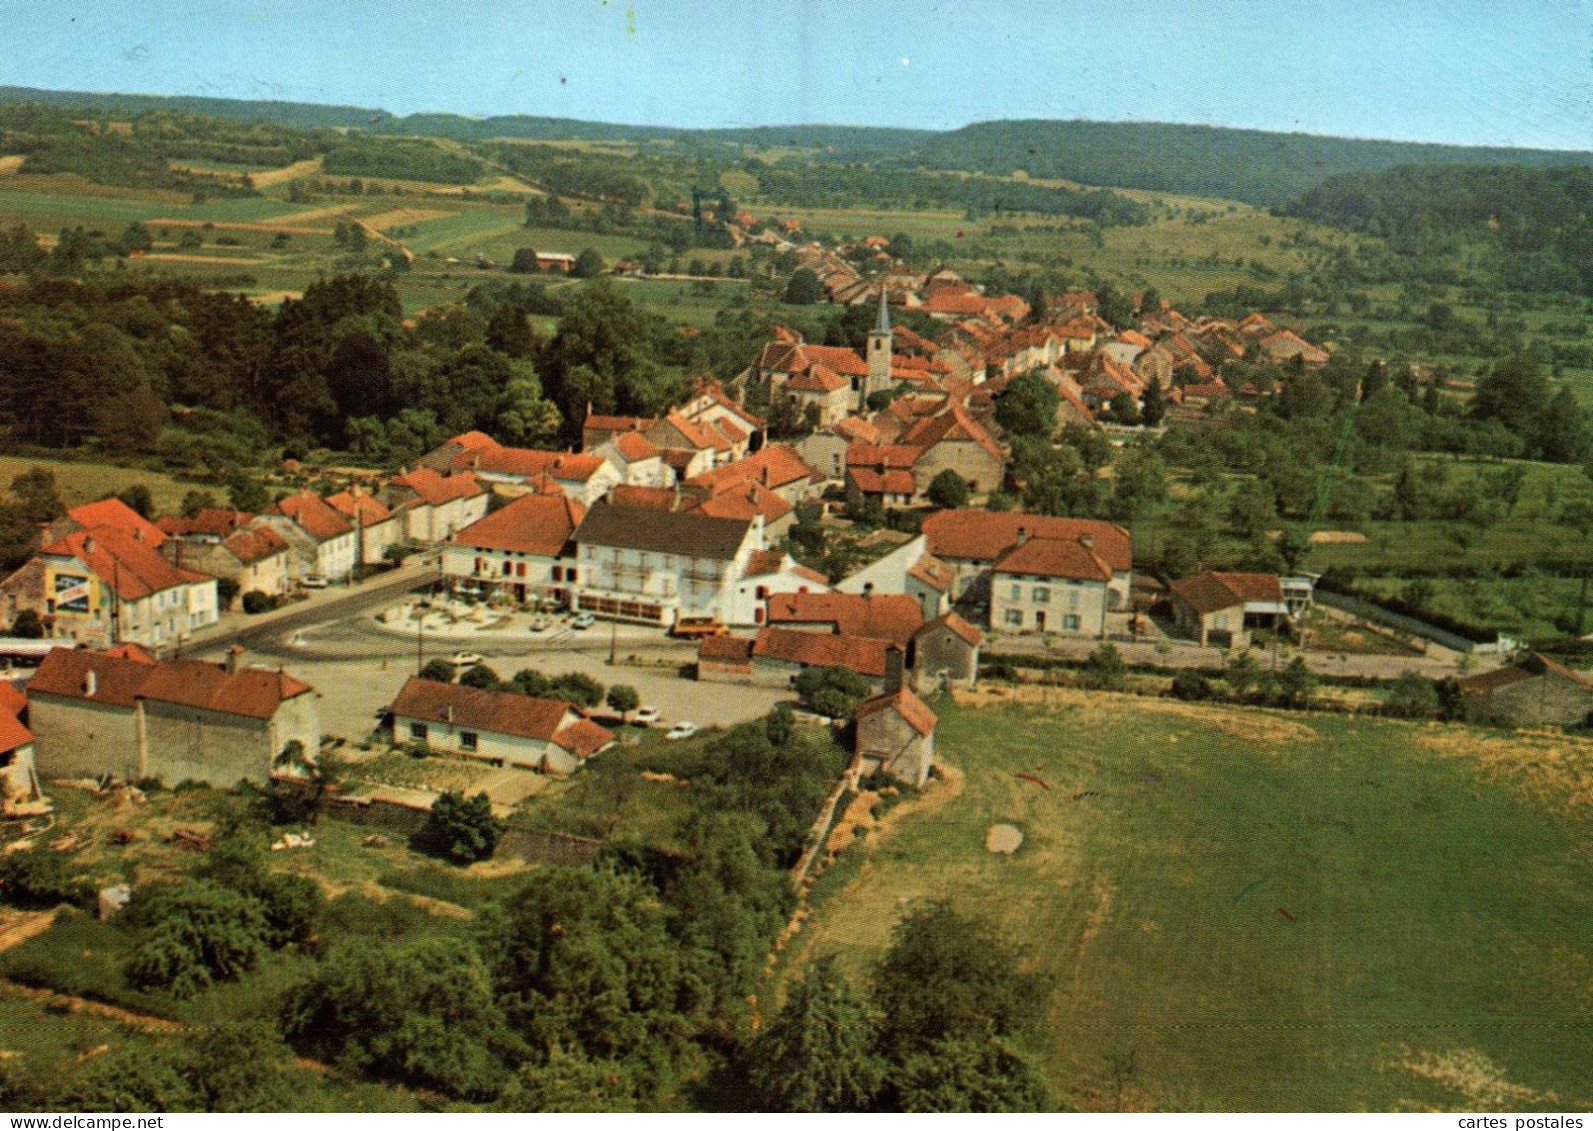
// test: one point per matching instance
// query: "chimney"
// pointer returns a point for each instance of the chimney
(895, 660)
(88, 545)
(868, 589)
(1023, 535)
(1087, 541)
(91, 683)
(231, 665)
(448, 713)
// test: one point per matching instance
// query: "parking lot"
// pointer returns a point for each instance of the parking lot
(357, 663)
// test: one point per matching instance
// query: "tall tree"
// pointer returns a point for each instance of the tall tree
(816, 1055)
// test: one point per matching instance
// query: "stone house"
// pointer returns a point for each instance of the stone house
(435, 505)
(945, 653)
(19, 780)
(128, 715)
(895, 732)
(500, 727)
(376, 527)
(971, 541)
(909, 569)
(1044, 584)
(321, 540)
(223, 544)
(1537, 692)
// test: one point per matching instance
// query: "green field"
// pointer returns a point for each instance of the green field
(1259, 911)
(78, 482)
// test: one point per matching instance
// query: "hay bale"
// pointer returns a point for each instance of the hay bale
(1003, 839)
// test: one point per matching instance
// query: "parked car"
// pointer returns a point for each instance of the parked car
(540, 623)
(694, 628)
(313, 581)
(583, 621)
(465, 659)
(646, 716)
(681, 730)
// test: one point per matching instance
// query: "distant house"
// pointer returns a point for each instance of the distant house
(322, 540)
(524, 551)
(377, 528)
(952, 440)
(1046, 584)
(779, 655)
(639, 461)
(1537, 692)
(435, 505)
(222, 543)
(500, 727)
(893, 618)
(126, 714)
(896, 731)
(19, 780)
(1222, 607)
(517, 471)
(106, 514)
(909, 569)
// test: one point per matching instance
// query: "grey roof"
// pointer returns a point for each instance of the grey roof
(883, 326)
(689, 534)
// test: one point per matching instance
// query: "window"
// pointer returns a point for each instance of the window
(1070, 622)
(519, 569)
(417, 732)
(467, 740)
(1042, 595)
(508, 568)
(1015, 618)
(1017, 592)
(1073, 597)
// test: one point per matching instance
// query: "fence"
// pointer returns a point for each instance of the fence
(539, 846)
(1411, 626)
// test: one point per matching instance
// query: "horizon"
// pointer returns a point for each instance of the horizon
(1432, 75)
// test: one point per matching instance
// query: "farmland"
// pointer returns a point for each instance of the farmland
(1238, 910)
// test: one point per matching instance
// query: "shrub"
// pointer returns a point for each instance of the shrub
(832, 692)
(256, 602)
(464, 830)
(196, 933)
(1191, 685)
(41, 877)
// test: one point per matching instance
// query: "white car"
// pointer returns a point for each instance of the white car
(540, 623)
(465, 659)
(584, 621)
(681, 730)
(313, 581)
(646, 716)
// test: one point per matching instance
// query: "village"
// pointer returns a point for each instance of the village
(678, 532)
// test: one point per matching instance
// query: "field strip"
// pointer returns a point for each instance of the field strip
(287, 173)
(238, 226)
(183, 257)
(10, 165)
(402, 217)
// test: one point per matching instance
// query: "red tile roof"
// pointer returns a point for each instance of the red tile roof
(931, 571)
(366, 507)
(954, 426)
(871, 481)
(212, 521)
(913, 710)
(313, 516)
(527, 463)
(634, 446)
(745, 500)
(856, 429)
(777, 465)
(817, 379)
(970, 635)
(250, 546)
(12, 733)
(252, 692)
(649, 498)
(435, 490)
(976, 535)
(725, 649)
(1054, 557)
(842, 359)
(822, 650)
(889, 456)
(501, 712)
(1213, 590)
(894, 617)
(596, 423)
(119, 516)
(12, 698)
(130, 569)
(531, 524)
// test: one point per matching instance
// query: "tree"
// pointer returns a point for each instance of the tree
(575, 687)
(28, 626)
(35, 491)
(588, 264)
(480, 676)
(804, 288)
(524, 261)
(138, 499)
(948, 490)
(40, 877)
(1296, 684)
(463, 830)
(949, 976)
(1104, 668)
(1412, 696)
(1242, 673)
(970, 1075)
(244, 493)
(832, 692)
(816, 1055)
(1029, 406)
(1139, 482)
(1514, 392)
(196, 501)
(779, 725)
(623, 698)
(1155, 406)
(195, 933)
(438, 671)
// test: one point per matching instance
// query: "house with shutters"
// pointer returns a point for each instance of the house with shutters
(1044, 583)
(377, 528)
(503, 728)
(972, 541)
(102, 586)
(523, 552)
(434, 505)
(129, 715)
(321, 541)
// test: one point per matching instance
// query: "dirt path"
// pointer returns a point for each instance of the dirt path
(50, 999)
(17, 928)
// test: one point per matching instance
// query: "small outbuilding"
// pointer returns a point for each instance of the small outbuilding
(1533, 693)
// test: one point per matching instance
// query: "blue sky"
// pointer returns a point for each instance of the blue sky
(1510, 72)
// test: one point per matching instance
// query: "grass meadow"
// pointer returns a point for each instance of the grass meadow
(1240, 910)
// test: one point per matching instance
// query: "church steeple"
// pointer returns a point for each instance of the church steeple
(883, 326)
(879, 352)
